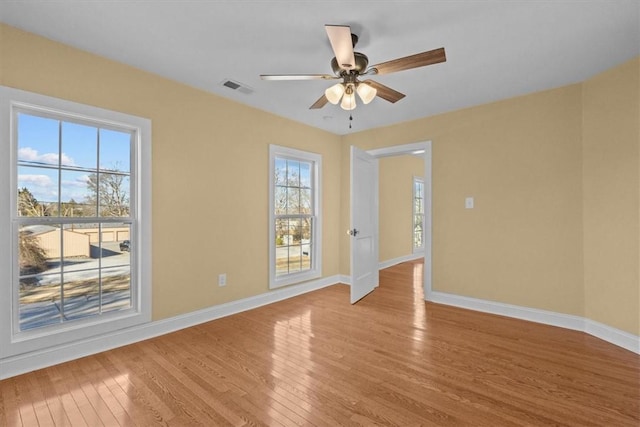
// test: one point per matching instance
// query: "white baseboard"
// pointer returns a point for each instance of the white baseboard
(344, 279)
(20, 364)
(612, 335)
(391, 262)
(607, 333)
(386, 264)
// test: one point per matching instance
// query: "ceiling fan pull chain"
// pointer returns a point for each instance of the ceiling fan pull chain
(350, 120)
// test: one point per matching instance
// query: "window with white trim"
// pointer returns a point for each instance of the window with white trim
(79, 223)
(294, 216)
(418, 214)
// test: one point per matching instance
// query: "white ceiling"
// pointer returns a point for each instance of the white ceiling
(496, 49)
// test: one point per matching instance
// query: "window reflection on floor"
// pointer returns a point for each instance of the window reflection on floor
(419, 313)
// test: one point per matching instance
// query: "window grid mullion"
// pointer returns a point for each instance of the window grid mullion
(60, 222)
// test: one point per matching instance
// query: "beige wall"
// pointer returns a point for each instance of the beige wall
(556, 180)
(396, 204)
(522, 159)
(611, 119)
(210, 165)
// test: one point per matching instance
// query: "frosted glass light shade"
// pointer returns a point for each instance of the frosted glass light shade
(366, 92)
(334, 93)
(348, 101)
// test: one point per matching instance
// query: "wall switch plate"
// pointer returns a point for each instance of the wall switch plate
(468, 203)
(222, 279)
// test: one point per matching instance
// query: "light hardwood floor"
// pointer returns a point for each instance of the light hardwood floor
(391, 359)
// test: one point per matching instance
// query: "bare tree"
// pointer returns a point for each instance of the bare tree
(292, 198)
(110, 192)
(33, 258)
(28, 205)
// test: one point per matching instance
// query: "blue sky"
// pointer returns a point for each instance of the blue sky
(40, 144)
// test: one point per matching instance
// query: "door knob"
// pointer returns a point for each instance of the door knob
(353, 232)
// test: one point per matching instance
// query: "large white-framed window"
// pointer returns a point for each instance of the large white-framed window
(77, 228)
(295, 221)
(418, 214)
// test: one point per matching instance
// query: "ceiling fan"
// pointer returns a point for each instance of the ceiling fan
(349, 66)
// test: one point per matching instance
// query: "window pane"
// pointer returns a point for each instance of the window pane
(306, 256)
(115, 150)
(37, 140)
(294, 259)
(115, 244)
(305, 201)
(280, 172)
(295, 230)
(280, 202)
(293, 245)
(74, 189)
(39, 260)
(282, 243)
(282, 232)
(293, 201)
(305, 175)
(417, 221)
(113, 193)
(116, 288)
(418, 213)
(39, 248)
(79, 145)
(293, 173)
(37, 191)
(39, 301)
(305, 235)
(81, 293)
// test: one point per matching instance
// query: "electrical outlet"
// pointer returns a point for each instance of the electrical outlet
(222, 279)
(468, 203)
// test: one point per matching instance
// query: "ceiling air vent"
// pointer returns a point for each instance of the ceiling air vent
(234, 85)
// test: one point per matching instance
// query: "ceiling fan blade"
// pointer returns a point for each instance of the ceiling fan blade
(413, 61)
(385, 92)
(298, 77)
(319, 103)
(340, 38)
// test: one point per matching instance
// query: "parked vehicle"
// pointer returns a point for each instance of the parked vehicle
(125, 245)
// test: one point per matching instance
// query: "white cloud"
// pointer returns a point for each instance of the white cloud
(36, 180)
(84, 179)
(29, 154)
(42, 187)
(78, 182)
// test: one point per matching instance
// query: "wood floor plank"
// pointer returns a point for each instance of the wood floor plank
(316, 360)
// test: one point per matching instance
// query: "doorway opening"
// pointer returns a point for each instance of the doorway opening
(417, 149)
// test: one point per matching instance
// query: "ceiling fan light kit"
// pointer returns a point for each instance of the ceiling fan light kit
(345, 92)
(334, 93)
(349, 98)
(349, 66)
(366, 92)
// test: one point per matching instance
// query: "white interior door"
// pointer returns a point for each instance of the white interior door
(364, 223)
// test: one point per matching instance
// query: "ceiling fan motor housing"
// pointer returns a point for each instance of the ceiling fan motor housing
(360, 66)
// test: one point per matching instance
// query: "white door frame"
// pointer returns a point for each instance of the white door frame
(415, 149)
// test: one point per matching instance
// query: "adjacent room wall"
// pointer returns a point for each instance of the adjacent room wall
(210, 166)
(611, 129)
(396, 205)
